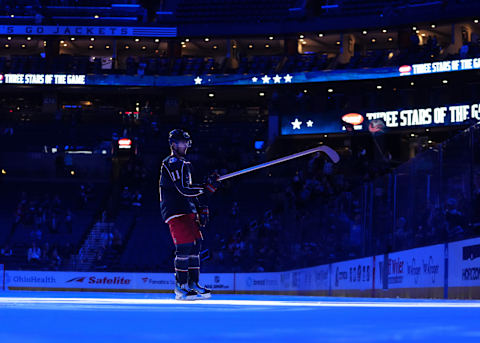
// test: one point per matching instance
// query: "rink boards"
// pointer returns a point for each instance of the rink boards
(440, 271)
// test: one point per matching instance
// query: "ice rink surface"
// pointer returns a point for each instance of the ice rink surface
(119, 317)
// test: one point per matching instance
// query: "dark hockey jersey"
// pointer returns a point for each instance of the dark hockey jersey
(177, 193)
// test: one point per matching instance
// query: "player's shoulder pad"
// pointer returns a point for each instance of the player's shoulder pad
(173, 161)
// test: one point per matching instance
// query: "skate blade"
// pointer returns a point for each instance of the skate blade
(185, 298)
(182, 296)
(204, 296)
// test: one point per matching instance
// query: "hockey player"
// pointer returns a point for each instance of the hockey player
(182, 212)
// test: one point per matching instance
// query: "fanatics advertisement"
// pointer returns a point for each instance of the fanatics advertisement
(353, 275)
(464, 263)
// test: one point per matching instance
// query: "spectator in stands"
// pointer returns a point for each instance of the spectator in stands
(38, 218)
(117, 241)
(104, 218)
(56, 203)
(356, 234)
(6, 253)
(36, 234)
(34, 254)
(83, 195)
(53, 223)
(141, 68)
(45, 259)
(106, 238)
(455, 220)
(137, 202)
(66, 251)
(68, 221)
(55, 258)
(125, 197)
(99, 258)
(81, 256)
(464, 51)
(401, 234)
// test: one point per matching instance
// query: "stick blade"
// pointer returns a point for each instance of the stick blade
(332, 154)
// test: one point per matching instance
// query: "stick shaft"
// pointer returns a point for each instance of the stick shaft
(329, 151)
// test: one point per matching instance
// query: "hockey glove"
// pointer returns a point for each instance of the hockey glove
(212, 183)
(203, 215)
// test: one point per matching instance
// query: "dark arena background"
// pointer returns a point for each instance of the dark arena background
(380, 246)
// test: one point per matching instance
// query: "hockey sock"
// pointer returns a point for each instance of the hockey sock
(194, 263)
(182, 257)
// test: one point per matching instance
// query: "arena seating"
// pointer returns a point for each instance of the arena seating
(27, 215)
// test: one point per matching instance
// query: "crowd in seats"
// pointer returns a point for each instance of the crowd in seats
(309, 213)
(326, 214)
(46, 226)
(294, 229)
(255, 64)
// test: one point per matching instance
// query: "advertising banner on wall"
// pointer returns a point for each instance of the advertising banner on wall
(353, 275)
(308, 279)
(419, 272)
(107, 281)
(416, 268)
(315, 279)
(464, 263)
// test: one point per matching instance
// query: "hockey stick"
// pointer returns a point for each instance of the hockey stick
(332, 154)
